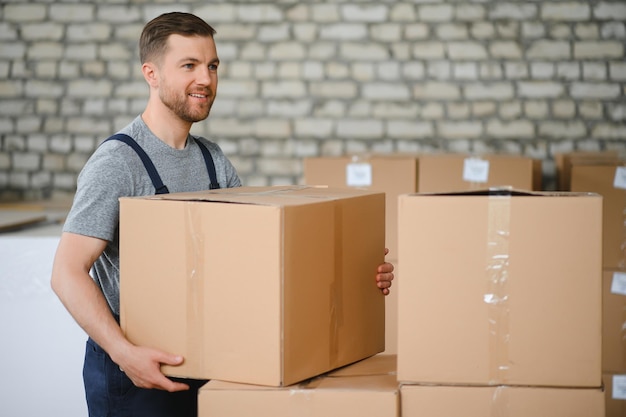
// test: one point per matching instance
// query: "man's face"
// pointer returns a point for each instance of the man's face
(188, 76)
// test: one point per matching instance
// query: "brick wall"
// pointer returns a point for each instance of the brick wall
(305, 78)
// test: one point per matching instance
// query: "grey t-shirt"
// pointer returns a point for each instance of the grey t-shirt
(115, 170)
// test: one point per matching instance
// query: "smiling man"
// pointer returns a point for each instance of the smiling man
(153, 154)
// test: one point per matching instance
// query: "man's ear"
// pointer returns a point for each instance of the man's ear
(149, 71)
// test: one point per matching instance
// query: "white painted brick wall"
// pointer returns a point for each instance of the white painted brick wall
(519, 129)
(549, 50)
(513, 11)
(610, 10)
(320, 78)
(24, 12)
(435, 13)
(459, 130)
(364, 13)
(565, 11)
(409, 129)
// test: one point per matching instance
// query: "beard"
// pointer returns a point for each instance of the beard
(181, 107)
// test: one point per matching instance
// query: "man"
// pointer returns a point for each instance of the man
(179, 63)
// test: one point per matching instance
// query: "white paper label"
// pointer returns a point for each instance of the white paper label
(618, 284)
(620, 178)
(359, 174)
(475, 170)
(619, 387)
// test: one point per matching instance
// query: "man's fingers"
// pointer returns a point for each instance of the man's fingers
(172, 386)
(173, 360)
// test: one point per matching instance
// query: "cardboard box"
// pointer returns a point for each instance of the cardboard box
(614, 394)
(500, 288)
(601, 179)
(370, 389)
(397, 174)
(614, 321)
(472, 401)
(565, 161)
(259, 285)
(459, 172)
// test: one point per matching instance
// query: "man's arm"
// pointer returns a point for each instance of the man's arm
(84, 300)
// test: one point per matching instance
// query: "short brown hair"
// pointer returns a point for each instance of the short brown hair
(153, 40)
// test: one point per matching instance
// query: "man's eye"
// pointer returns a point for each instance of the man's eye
(188, 66)
(213, 67)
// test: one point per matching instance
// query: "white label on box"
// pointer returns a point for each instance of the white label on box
(620, 178)
(359, 174)
(619, 387)
(475, 170)
(618, 284)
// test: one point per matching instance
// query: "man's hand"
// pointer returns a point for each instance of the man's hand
(142, 366)
(384, 276)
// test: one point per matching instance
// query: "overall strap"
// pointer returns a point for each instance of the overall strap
(210, 165)
(147, 162)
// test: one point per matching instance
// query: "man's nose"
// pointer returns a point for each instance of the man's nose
(203, 76)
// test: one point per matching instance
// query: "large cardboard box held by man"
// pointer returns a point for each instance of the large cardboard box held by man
(365, 389)
(259, 285)
(500, 287)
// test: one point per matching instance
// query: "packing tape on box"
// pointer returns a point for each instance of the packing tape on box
(195, 282)
(497, 292)
(500, 401)
(336, 292)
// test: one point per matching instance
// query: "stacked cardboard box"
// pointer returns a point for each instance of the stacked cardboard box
(605, 174)
(614, 341)
(481, 401)
(500, 303)
(565, 161)
(365, 389)
(257, 285)
(408, 173)
(458, 172)
(615, 394)
(608, 180)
